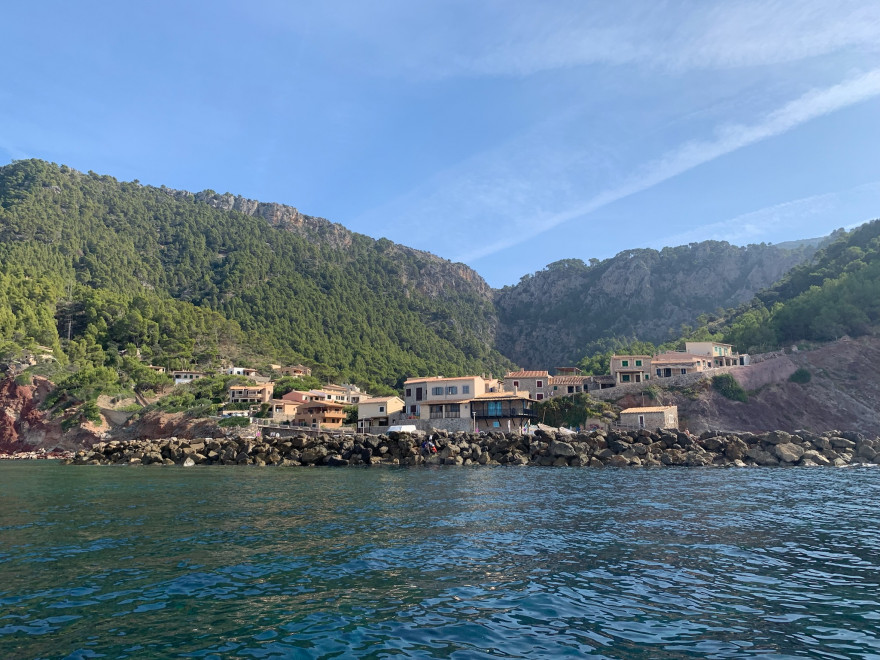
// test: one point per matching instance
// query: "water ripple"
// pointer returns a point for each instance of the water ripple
(469, 563)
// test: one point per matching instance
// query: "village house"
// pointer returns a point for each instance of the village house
(354, 394)
(503, 411)
(535, 383)
(630, 368)
(443, 398)
(656, 417)
(297, 397)
(296, 370)
(283, 410)
(185, 377)
(241, 371)
(674, 363)
(157, 369)
(377, 412)
(722, 355)
(566, 385)
(320, 415)
(252, 394)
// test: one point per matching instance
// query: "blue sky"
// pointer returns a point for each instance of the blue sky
(504, 134)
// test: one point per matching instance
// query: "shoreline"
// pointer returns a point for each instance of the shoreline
(598, 449)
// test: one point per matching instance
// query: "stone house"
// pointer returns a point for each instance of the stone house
(566, 385)
(674, 363)
(535, 383)
(722, 355)
(630, 368)
(656, 417)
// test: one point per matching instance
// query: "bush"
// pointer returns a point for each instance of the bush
(234, 421)
(726, 386)
(802, 375)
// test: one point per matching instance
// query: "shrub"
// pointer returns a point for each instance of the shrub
(726, 385)
(802, 375)
(234, 421)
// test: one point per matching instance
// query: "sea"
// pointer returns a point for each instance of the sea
(447, 562)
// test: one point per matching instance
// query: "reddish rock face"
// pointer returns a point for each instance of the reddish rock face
(22, 425)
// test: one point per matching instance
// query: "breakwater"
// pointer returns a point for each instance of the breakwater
(594, 449)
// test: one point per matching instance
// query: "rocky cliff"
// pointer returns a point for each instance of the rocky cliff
(558, 315)
(843, 392)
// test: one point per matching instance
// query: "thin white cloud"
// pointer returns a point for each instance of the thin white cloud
(729, 138)
(797, 215)
(460, 38)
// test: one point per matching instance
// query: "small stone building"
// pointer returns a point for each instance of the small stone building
(656, 417)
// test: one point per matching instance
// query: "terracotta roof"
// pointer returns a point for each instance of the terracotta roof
(527, 374)
(439, 402)
(567, 380)
(653, 409)
(378, 399)
(631, 355)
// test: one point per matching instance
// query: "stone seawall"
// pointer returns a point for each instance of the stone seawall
(595, 449)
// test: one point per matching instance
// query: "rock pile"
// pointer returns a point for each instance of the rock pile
(594, 449)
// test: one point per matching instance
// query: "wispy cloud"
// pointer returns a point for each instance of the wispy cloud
(460, 38)
(793, 218)
(728, 139)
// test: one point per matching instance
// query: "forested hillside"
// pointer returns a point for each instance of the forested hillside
(836, 293)
(186, 281)
(571, 309)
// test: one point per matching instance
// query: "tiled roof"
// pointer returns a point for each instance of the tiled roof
(654, 409)
(527, 374)
(567, 380)
(378, 399)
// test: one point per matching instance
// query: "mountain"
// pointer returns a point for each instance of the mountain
(571, 309)
(191, 278)
(835, 293)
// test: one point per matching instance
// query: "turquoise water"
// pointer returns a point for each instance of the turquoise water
(451, 562)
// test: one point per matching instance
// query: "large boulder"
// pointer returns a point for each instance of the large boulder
(789, 452)
(564, 449)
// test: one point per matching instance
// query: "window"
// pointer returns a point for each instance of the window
(624, 378)
(638, 363)
(570, 389)
(684, 371)
(539, 396)
(436, 412)
(624, 363)
(493, 409)
(452, 389)
(465, 389)
(659, 372)
(437, 391)
(381, 409)
(555, 387)
(539, 383)
(516, 383)
(412, 410)
(453, 410)
(408, 391)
